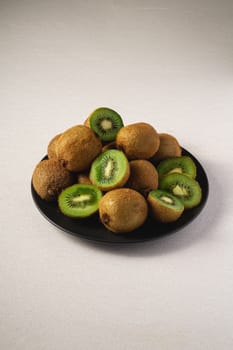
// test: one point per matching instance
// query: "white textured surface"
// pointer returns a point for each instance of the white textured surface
(169, 63)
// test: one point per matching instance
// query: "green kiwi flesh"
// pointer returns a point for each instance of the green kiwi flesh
(183, 165)
(164, 207)
(110, 170)
(167, 199)
(106, 123)
(184, 187)
(79, 200)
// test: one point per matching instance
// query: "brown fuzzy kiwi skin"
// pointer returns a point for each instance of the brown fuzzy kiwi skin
(50, 178)
(138, 141)
(83, 178)
(110, 145)
(87, 122)
(78, 146)
(51, 150)
(123, 210)
(162, 213)
(169, 147)
(143, 176)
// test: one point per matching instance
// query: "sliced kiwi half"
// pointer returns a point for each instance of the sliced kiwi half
(164, 207)
(183, 165)
(110, 170)
(106, 123)
(184, 187)
(79, 200)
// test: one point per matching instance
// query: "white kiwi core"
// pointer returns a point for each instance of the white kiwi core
(108, 168)
(106, 124)
(166, 199)
(81, 198)
(179, 191)
(176, 170)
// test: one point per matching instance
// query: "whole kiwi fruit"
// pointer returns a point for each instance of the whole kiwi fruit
(78, 146)
(110, 145)
(50, 177)
(168, 147)
(83, 178)
(143, 176)
(51, 149)
(87, 122)
(138, 141)
(123, 210)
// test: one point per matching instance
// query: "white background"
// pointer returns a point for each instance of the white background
(168, 63)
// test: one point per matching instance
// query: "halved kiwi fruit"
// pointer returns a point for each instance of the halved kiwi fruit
(182, 165)
(106, 123)
(110, 170)
(164, 207)
(184, 187)
(79, 200)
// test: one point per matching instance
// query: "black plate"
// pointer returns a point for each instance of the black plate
(92, 229)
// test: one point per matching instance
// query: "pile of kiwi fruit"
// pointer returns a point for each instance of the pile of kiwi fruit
(122, 173)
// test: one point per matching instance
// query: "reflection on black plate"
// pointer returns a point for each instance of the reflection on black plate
(92, 228)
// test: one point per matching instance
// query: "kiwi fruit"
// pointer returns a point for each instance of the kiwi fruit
(79, 200)
(51, 149)
(143, 176)
(138, 141)
(50, 177)
(184, 187)
(183, 165)
(123, 210)
(110, 145)
(168, 147)
(164, 207)
(87, 122)
(110, 170)
(78, 147)
(105, 122)
(83, 178)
